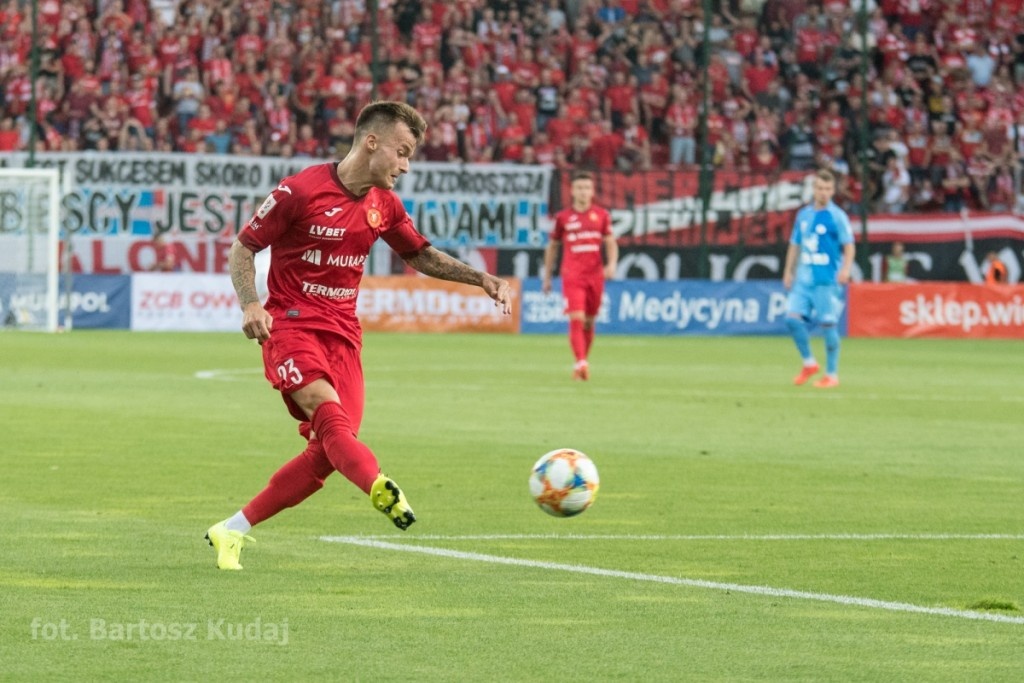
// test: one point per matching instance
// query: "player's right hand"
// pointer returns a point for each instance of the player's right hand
(256, 322)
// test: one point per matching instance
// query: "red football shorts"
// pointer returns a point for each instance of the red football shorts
(293, 359)
(583, 295)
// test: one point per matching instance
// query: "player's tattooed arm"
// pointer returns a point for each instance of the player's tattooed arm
(243, 273)
(256, 322)
(437, 264)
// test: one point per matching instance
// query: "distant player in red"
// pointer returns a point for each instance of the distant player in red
(321, 224)
(584, 228)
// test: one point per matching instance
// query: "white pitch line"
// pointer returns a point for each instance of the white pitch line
(672, 580)
(225, 374)
(702, 537)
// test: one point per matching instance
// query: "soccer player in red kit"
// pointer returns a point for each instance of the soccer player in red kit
(321, 224)
(584, 228)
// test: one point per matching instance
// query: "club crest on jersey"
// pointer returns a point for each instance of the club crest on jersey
(593, 215)
(374, 217)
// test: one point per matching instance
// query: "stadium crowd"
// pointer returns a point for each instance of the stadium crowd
(606, 84)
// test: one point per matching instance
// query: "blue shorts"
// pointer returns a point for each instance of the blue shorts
(822, 304)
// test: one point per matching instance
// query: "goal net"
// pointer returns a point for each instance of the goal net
(30, 200)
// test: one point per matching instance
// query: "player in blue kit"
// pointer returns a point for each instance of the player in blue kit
(818, 264)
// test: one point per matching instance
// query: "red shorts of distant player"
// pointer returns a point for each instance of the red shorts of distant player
(583, 295)
(293, 359)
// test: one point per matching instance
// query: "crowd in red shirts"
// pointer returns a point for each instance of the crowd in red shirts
(606, 84)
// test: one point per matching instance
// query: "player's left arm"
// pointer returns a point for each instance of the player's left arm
(844, 269)
(611, 247)
(848, 249)
(611, 252)
(434, 263)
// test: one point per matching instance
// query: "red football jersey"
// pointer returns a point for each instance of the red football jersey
(320, 236)
(582, 233)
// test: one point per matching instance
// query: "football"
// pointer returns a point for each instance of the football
(564, 482)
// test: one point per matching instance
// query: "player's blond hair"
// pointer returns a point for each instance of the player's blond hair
(825, 175)
(385, 113)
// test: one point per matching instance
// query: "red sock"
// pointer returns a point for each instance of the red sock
(588, 338)
(297, 480)
(348, 455)
(577, 340)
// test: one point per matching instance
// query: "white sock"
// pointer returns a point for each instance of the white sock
(238, 522)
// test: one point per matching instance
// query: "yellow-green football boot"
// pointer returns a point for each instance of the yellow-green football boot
(228, 545)
(389, 499)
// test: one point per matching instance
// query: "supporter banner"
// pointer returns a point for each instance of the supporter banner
(478, 204)
(195, 195)
(937, 310)
(664, 207)
(689, 307)
(176, 302)
(114, 254)
(961, 227)
(420, 304)
(948, 247)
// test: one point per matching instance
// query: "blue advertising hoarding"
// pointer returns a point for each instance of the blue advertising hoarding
(101, 301)
(96, 301)
(682, 307)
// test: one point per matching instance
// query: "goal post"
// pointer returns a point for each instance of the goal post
(30, 225)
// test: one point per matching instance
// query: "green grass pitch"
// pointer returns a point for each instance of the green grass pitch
(746, 529)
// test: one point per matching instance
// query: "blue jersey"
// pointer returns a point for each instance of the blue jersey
(820, 234)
